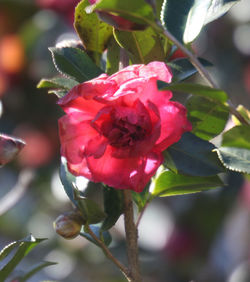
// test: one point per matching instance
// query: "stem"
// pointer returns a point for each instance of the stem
(131, 237)
(202, 71)
(109, 255)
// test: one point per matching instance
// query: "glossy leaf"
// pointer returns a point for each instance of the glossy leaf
(236, 159)
(90, 211)
(168, 184)
(24, 246)
(185, 18)
(213, 94)
(142, 46)
(244, 112)
(113, 206)
(207, 117)
(136, 11)
(238, 136)
(113, 57)
(193, 156)
(142, 198)
(57, 83)
(74, 63)
(67, 180)
(183, 69)
(104, 236)
(93, 33)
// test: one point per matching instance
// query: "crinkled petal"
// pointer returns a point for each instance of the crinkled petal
(156, 69)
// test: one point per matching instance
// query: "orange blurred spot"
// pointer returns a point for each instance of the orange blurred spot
(3, 84)
(11, 54)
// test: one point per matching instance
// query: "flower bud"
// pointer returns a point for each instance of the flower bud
(68, 225)
(9, 148)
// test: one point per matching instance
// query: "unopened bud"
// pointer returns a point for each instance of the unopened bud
(68, 225)
(9, 148)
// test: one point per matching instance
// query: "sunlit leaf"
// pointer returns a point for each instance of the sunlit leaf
(57, 83)
(93, 33)
(207, 117)
(238, 136)
(185, 18)
(113, 57)
(142, 46)
(136, 11)
(236, 159)
(24, 246)
(213, 94)
(168, 184)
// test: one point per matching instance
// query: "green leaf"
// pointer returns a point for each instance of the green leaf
(136, 11)
(142, 46)
(183, 69)
(210, 93)
(238, 136)
(169, 184)
(90, 211)
(193, 156)
(185, 18)
(58, 92)
(236, 159)
(93, 33)
(104, 236)
(113, 57)
(24, 246)
(57, 83)
(34, 270)
(141, 199)
(207, 117)
(67, 180)
(74, 63)
(113, 206)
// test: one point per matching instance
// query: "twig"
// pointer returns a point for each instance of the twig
(11, 198)
(202, 71)
(131, 237)
(109, 255)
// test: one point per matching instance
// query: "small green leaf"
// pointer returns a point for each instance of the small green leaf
(207, 117)
(185, 18)
(169, 184)
(57, 83)
(113, 206)
(193, 156)
(74, 63)
(136, 11)
(141, 199)
(113, 57)
(93, 33)
(183, 69)
(58, 92)
(104, 236)
(213, 94)
(34, 270)
(142, 46)
(238, 136)
(90, 211)
(24, 246)
(236, 159)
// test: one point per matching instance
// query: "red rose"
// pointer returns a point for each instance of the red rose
(117, 126)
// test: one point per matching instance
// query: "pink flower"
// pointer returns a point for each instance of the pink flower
(117, 126)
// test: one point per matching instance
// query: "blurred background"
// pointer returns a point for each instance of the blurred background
(202, 237)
